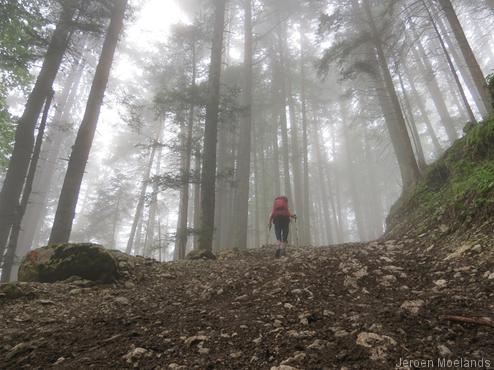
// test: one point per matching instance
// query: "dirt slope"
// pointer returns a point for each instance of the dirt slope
(345, 307)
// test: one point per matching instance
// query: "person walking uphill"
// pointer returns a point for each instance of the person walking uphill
(280, 217)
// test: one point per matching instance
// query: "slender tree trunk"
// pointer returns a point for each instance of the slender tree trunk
(423, 111)
(182, 231)
(244, 150)
(468, 54)
(197, 200)
(352, 181)
(325, 223)
(452, 67)
(305, 140)
(64, 216)
(153, 209)
(24, 135)
(21, 208)
(208, 180)
(432, 84)
(397, 128)
(412, 124)
(465, 73)
(46, 171)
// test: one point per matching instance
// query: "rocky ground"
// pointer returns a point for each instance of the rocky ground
(359, 306)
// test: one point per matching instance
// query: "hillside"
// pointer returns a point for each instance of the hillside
(425, 291)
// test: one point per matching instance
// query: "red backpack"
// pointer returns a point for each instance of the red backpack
(280, 206)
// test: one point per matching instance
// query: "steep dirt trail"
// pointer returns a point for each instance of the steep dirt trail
(360, 306)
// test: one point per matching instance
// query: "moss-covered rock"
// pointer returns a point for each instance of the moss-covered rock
(201, 254)
(61, 261)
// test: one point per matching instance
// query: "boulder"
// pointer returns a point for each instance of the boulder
(201, 254)
(61, 261)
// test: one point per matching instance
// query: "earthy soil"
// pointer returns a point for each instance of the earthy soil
(358, 306)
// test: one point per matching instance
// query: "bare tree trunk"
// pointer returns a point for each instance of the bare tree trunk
(45, 173)
(397, 129)
(305, 140)
(197, 200)
(466, 50)
(465, 73)
(182, 231)
(412, 125)
(451, 66)
(325, 223)
(65, 214)
(24, 136)
(21, 208)
(153, 208)
(140, 201)
(208, 180)
(432, 84)
(352, 182)
(243, 175)
(423, 111)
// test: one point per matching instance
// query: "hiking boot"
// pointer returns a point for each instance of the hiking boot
(283, 252)
(278, 253)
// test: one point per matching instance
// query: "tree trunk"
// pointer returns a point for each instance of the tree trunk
(46, 171)
(24, 135)
(21, 209)
(208, 181)
(432, 84)
(466, 50)
(153, 209)
(182, 229)
(197, 200)
(412, 124)
(452, 67)
(244, 151)
(352, 181)
(62, 225)
(423, 111)
(140, 201)
(305, 140)
(460, 63)
(409, 170)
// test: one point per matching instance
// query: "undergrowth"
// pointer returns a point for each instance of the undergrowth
(456, 190)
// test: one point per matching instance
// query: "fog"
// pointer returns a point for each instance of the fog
(214, 108)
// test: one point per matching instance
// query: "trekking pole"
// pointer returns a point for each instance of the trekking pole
(296, 233)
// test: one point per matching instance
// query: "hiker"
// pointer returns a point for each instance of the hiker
(280, 217)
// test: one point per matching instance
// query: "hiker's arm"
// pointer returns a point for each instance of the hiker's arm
(270, 222)
(292, 215)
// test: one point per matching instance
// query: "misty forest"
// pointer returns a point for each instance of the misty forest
(258, 184)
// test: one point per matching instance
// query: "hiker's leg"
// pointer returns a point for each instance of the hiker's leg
(286, 229)
(278, 229)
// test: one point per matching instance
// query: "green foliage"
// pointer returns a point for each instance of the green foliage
(490, 83)
(456, 190)
(21, 39)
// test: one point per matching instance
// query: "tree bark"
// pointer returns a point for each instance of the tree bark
(452, 67)
(305, 141)
(182, 230)
(432, 84)
(21, 209)
(24, 136)
(423, 111)
(412, 124)
(244, 151)
(46, 171)
(141, 200)
(208, 181)
(62, 225)
(468, 54)
(409, 170)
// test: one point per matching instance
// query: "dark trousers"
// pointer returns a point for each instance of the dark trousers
(281, 228)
